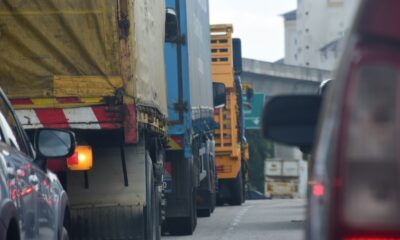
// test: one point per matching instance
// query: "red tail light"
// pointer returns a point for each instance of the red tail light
(220, 168)
(367, 203)
(318, 190)
(372, 238)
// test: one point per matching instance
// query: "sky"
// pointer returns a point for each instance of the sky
(257, 22)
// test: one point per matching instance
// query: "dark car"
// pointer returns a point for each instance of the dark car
(33, 204)
(355, 185)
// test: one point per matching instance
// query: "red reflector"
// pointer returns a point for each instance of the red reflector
(318, 190)
(73, 160)
(224, 169)
(178, 140)
(168, 167)
(21, 101)
(220, 168)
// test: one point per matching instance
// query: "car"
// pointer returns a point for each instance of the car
(33, 203)
(353, 135)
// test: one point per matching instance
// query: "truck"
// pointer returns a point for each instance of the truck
(231, 151)
(282, 177)
(95, 67)
(189, 170)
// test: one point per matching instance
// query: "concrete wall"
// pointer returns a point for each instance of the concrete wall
(275, 79)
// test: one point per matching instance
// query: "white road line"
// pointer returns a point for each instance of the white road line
(235, 222)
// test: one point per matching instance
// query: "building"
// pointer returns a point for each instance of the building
(314, 32)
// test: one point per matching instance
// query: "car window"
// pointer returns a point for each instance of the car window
(10, 128)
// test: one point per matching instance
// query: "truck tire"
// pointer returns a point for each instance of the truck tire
(214, 202)
(237, 190)
(194, 205)
(183, 226)
(204, 212)
(244, 187)
(64, 234)
(152, 210)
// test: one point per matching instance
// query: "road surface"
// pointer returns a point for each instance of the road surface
(260, 219)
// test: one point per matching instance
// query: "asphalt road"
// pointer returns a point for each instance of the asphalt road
(261, 219)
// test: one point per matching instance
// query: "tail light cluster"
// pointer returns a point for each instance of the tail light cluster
(367, 205)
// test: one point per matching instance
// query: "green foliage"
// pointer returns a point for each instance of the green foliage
(259, 150)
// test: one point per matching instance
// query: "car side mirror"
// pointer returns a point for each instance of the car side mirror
(171, 26)
(219, 95)
(292, 120)
(54, 143)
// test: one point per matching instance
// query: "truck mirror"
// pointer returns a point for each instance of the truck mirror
(292, 120)
(249, 94)
(219, 93)
(171, 26)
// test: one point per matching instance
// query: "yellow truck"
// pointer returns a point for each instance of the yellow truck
(231, 152)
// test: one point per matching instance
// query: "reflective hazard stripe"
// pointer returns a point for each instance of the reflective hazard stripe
(77, 118)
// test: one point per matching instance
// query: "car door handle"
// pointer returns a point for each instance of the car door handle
(33, 179)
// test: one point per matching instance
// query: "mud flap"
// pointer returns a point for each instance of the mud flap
(113, 222)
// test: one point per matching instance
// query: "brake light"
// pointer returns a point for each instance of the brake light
(81, 160)
(372, 238)
(224, 169)
(318, 190)
(367, 202)
(220, 168)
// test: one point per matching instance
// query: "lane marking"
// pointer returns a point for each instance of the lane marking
(234, 223)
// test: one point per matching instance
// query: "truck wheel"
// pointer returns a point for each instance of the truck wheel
(194, 215)
(183, 225)
(243, 187)
(152, 210)
(64, 234)
(237, 190)
(214, 202)
(204, 212)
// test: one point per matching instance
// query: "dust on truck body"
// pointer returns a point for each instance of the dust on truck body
(231, 152)
(95, 67)
(189, 170)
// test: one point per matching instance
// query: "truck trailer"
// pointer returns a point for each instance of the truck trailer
(231, 151)
(95, 67)
(282, 177)
(189, 184)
